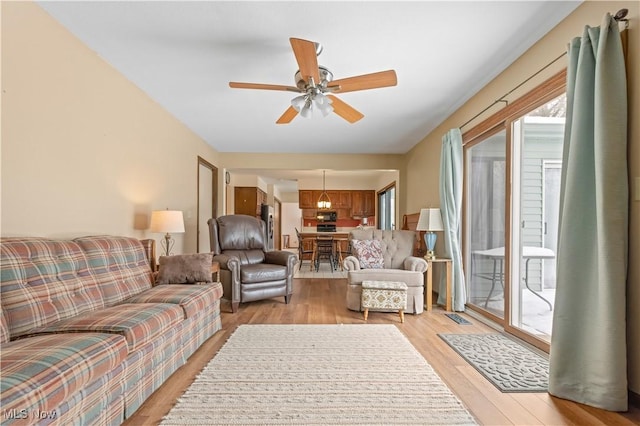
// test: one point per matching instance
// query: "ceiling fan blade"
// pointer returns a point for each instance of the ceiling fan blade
(364, 82)
(344, 110)
(288, 115)
(305, 52)
(237, 85)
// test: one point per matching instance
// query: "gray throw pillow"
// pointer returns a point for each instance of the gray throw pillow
(185, 268)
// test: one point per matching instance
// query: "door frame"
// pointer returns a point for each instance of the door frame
(214, 196)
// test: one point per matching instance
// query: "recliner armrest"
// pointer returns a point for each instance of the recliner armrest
(351, 263)
(281, 257)
(413, 263)
(227, 262)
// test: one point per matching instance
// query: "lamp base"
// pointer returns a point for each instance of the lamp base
(430, 242)
(167, 244)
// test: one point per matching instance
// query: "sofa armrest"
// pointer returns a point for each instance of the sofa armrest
(413, 263)
(351, 263)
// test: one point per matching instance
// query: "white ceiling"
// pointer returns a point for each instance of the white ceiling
(183, 54)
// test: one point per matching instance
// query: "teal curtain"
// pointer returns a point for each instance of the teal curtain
(451, 208)
(588, 346)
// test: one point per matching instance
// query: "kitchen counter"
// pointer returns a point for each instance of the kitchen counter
(344, 230)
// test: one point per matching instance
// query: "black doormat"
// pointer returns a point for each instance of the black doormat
(457, 318)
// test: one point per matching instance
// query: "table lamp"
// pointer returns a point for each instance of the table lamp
(430, 220)
(167, 221)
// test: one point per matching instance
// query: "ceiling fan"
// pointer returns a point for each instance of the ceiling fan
(317, 86)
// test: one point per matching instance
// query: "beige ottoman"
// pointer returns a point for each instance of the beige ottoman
(384, 296)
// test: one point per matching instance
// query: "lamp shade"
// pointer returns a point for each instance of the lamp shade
(167, 221)
(430, 220)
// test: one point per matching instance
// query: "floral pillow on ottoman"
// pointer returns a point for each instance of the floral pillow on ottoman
(369, 253)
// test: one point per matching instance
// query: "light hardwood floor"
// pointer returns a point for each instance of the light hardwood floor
(322, 301)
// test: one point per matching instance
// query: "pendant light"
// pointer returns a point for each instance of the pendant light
(324, 202)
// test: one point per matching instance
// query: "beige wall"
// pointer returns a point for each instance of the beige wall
(422, 162)
(84, 151)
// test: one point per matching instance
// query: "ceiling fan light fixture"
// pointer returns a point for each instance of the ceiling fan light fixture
(298, 102)
(324, 106)
(326, 110)
(306, 110)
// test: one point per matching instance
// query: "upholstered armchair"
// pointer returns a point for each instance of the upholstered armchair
(397, 264)
(247, 271)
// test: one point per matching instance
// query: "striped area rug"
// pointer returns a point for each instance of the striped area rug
(318, 375)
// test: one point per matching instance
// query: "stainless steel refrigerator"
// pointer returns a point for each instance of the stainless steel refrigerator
(267, 216)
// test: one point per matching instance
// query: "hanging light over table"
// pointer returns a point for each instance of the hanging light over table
(324, 202)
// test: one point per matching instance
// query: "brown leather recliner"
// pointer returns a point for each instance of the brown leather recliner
(247, 271)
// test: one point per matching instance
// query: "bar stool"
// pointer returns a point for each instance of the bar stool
(338, 251)
(304, 254)
(323, 249)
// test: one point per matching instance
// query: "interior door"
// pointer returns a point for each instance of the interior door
(207, 202)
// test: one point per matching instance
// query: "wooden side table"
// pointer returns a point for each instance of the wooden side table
(429, 290)
(215, 269)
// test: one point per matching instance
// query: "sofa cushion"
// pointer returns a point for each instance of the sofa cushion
(119, 266)
(262, 272)
(39, 373)
(43, 281)
(369, 253)
(410, 278)
(185, 268)
(192, 298)
(138, 323)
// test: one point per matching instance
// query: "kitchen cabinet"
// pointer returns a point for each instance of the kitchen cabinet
(344, 200)
(309, 214)
(305, 199)
(348, 203)
(334, 196)
(363, 203)
(369, 200)
(248, 199)
(344, 213)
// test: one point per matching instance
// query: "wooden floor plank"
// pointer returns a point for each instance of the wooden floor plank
(322, 301)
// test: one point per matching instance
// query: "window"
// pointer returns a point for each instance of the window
(387, 207)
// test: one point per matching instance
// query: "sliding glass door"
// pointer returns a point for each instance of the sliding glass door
(512, 192)
(485, 231)
(537, 156)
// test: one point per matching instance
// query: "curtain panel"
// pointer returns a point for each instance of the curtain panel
(451, 180)
(588, 346)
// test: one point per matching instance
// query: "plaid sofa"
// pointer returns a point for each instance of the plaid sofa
(85, 336)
